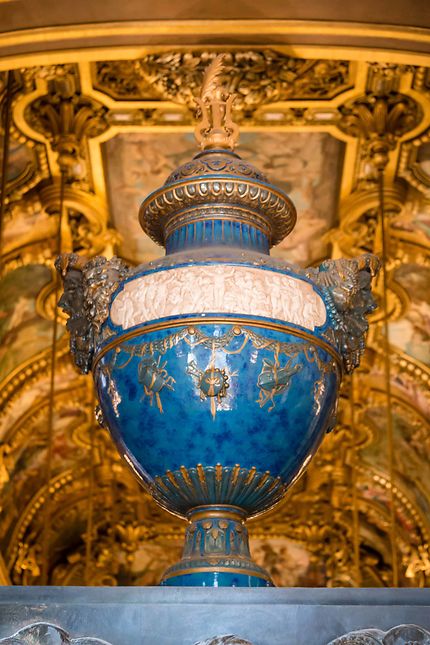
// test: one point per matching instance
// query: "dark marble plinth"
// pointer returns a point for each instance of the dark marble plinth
(184, 616)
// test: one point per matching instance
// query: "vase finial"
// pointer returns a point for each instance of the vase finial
(216, 128)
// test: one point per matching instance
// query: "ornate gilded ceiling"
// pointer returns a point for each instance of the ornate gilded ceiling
(70, 512)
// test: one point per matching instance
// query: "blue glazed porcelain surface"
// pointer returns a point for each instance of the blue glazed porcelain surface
(217, 394)
(217, 368)
(216, 579)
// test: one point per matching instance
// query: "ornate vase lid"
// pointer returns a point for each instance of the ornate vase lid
(217, 184)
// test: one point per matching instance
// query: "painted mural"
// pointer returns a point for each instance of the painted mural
(152, 560)
(30, 461)
(23, 333)
(412, 446)
(305, 165)
(288, 563)
(407, 388)
(27, 223)
(21, 157)
(412, 333)
(136, 165)
(414, 217)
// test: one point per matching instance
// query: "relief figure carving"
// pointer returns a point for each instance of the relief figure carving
(218, 289)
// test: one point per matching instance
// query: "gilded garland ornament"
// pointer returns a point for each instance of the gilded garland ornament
(217, 368)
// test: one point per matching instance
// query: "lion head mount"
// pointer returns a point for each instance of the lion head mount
(99, 289)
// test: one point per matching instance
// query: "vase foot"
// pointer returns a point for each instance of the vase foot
(216, 579)
(216, 552)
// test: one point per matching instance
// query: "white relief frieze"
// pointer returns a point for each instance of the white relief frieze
(222, 289)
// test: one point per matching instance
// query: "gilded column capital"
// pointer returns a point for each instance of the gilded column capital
(379, 120)
(67, 118)
(382, 115)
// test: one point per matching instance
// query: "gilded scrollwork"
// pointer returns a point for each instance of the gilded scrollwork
(258, 77)
(413, 163)
(380, 120)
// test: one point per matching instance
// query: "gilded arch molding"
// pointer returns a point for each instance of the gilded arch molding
(127, 39)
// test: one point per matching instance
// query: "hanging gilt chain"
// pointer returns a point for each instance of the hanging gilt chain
(66, 119)
(380, 119)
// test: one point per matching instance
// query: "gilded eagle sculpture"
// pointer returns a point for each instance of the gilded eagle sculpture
(217, 368)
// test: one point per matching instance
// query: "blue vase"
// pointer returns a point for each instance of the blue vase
(217, 368)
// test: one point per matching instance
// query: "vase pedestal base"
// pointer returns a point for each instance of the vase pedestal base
(216, 552)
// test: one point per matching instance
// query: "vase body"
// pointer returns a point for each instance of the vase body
(217, 368)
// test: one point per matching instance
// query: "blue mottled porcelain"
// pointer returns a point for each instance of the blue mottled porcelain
(217, 368)
(277, 405)
(217, 408)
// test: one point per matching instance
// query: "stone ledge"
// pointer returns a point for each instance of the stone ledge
(185, 616)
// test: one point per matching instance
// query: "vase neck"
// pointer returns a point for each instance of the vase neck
(219, 232)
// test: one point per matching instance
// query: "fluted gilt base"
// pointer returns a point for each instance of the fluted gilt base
(216, 552)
